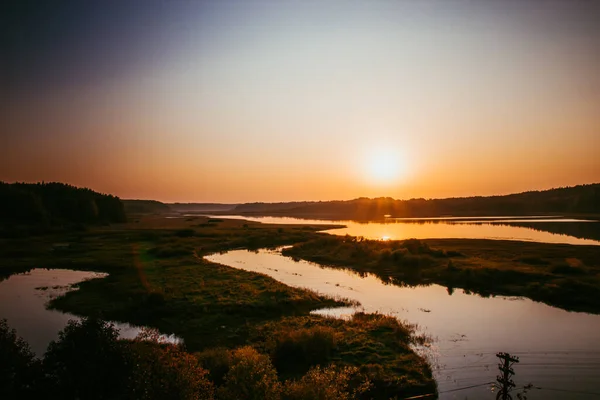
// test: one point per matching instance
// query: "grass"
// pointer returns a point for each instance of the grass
(159, 278)
(379, 345)
(565, 276)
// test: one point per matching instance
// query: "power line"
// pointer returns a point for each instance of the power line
(566, 390)
(466, 387)
(422, 396)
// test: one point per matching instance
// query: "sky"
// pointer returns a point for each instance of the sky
(242, 101)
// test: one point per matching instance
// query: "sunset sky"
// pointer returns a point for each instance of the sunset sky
(239, 101)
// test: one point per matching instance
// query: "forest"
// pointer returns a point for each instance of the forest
(56, 204)
(581, 199)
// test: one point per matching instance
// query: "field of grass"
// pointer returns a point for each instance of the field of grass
(565, 276)
(158, 278)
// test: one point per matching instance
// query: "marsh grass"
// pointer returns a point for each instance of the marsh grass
(565, 276)
(378, 345)
(159, 278)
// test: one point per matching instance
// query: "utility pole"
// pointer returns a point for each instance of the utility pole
(506, 384)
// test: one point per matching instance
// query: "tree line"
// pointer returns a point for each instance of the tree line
(577, 199)
(52, 204)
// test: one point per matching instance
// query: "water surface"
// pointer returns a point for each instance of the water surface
(538, 228)
(23, 300)
(558, 349)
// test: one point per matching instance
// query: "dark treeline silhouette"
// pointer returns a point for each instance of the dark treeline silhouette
(145, 207)
(156, 207)
(51, 204)
(201, 207)
(569, 200)
(292, 206)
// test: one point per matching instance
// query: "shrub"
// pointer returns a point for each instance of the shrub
(165, 371)
(383, 323)
(329, 383)
(85, 357)
(385, 255)
(304, 348)
(566, 269)
(169, 250)
(533, 261)
(185, 233)
(398, 254)
(451, 267)
(414, 262)
(415, 246)
(250, 377)
(88, 361)
(217, 361)
(19, 369)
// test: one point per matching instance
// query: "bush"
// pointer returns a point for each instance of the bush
(415, 262)
(19, 370)
(185, 233)
(301, 349)
(415, 246)
(85, 357)
(566, 269)
(398, 254)
(327, 384)
(88, 361)
(169, 250)
(251, 377)
(165, 371)
(451, 267)
(217, 361)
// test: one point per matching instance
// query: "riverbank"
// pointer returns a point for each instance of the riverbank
(158, 278)
(565, 276)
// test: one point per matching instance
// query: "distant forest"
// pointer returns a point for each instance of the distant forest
(201, 207)
(582, 199)
(156, 207)
(56, 204)
(145, 207)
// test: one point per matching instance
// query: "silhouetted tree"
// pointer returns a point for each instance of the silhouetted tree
(87, 362)
(20, 371)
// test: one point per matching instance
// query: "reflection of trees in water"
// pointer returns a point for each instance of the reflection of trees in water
(580, 230)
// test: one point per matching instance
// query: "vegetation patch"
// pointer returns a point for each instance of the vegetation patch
(540, 271)
(159, 278)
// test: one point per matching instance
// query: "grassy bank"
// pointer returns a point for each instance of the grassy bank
(157, 277)
(565, 276)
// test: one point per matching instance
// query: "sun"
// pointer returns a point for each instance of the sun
(384, 166)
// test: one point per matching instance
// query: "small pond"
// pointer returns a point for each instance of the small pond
(23, 300)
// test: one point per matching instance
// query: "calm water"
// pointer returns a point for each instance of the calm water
(558, 349)
(539, 229)
(23, 299)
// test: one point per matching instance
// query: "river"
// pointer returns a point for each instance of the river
(525, 228)
(559, 350)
